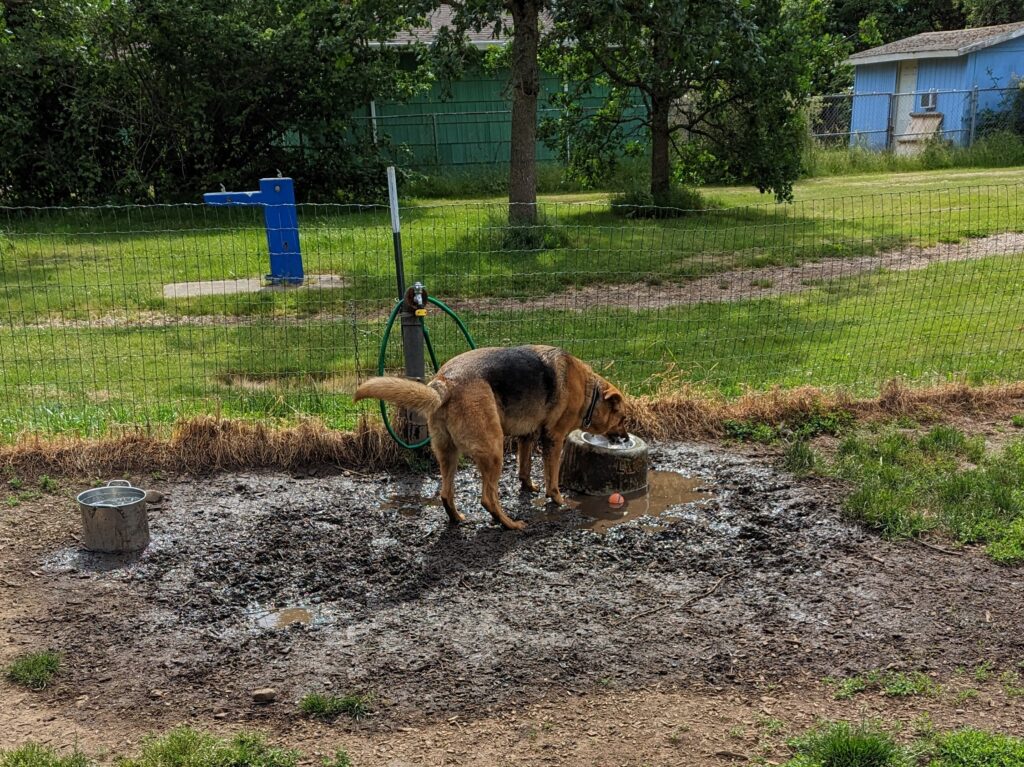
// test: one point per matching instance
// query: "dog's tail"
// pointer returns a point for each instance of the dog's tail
(414, 395)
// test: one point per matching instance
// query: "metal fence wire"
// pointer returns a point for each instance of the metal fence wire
(143, 315)
(907, 122)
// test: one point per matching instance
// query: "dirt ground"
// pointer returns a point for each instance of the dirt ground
(675, 642)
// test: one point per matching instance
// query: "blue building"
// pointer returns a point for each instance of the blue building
(933, 84)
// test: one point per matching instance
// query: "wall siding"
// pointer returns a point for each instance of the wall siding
(997, 67)
(869, 121)
(945, 75)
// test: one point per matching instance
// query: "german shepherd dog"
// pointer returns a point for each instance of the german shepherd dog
(477, 398)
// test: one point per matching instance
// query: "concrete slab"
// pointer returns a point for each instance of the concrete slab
(249, 285)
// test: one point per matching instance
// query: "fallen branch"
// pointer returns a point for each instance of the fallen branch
(938, 548)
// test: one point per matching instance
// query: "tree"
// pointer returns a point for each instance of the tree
(730, 76)
(158, 99)
(524, 82)
(981, 13)
(867, 23)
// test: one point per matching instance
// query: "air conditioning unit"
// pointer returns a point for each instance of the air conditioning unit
(929, 101)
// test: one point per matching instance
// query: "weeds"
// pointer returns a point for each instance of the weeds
(340, 759)
(969, 747)
(34, 670)
(844, 745)
(1011, 683)
(34, 755)
(185, 747)
(941, 481)
(48, 485)
(893, 684)
(800, 458)
(329, 707)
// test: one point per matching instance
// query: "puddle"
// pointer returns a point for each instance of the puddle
(280, 619)
(409, 504)
(665, 489)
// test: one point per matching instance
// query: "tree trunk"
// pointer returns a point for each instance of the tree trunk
(522, 176)
(660, 166)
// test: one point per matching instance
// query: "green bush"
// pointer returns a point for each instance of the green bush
(639, 203)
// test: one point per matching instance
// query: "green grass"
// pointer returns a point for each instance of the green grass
(35, 755)
(999, 150)
(34, 670)
(896, 684)
(844, 745)
(279, 355)
(941, 481)
(185, 747)
(969, 747)
(329, 707)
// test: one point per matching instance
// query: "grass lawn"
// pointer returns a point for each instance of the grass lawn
(87, 339)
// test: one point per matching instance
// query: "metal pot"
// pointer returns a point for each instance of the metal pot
(114, 518)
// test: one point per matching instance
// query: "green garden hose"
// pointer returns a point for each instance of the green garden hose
(433, 359)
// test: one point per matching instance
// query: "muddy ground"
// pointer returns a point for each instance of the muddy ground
(761, 584)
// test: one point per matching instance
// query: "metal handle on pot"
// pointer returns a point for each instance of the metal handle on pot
(119, 483)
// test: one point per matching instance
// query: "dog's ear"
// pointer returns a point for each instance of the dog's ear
(612, 395)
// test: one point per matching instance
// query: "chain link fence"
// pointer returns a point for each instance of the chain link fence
(906, 122)
(143, 315)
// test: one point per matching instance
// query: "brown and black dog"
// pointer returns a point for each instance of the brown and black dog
(477, 398)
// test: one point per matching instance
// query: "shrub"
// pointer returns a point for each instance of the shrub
(639, 203)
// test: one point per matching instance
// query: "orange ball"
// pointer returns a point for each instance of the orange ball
(615, 500)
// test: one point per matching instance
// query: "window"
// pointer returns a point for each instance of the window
(929, 101)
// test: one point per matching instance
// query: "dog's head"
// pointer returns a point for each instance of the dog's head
(610, 411)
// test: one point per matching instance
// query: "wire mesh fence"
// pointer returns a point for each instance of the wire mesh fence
(143, 315)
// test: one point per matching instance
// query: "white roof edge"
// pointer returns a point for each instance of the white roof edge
(886, 58)
(1012, 35)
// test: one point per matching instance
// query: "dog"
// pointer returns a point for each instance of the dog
(480, 397)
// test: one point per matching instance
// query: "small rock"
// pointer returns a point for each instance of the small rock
(154, 497)
(264, 695)
(221, 715)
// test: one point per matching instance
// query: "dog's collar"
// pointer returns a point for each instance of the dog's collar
(593, 404)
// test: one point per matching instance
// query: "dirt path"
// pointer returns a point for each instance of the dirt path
(760, 282)
(697, 728)
(720, 287)
(763, 585)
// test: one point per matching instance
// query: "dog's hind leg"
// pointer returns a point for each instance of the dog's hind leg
(447, 455)
(489, 464)
(524, 454)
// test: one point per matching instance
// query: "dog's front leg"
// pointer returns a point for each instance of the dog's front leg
(552, 450)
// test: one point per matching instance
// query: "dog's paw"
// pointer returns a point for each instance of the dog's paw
(556, 499)
(529, 486)
(515, 525)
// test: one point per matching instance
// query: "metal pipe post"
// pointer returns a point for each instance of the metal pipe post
(412, 329)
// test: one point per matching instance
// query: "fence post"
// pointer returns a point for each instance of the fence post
(890, 126)
(974, 115)
(437, 149)
(412, 329)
